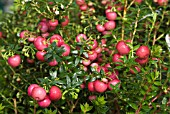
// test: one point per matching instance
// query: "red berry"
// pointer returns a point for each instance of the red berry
(30, 88)
(137, 69)
(162, 2)
(66, 49)
(92, 55)
(53, 63)
(58, 39)
(30, 60)
(100, 86)
(53, 23)
(83, 7)
(100, 28)
(92, 97)
(81, 37)
(38, 93)
(98, 50)
(40, 43)
(142, 61)
(55, 93)
(40, 55)
(82, 86)
(111, 16)
(45, 35)
(96, 66)
(1, 35)
(143, 52)
(91, 87)
(114, 75)
(122, 48)
(116, 58)
(80, 2)
(138, 1)
(65, 22)
(43, 26)
(45, 102)
(86, 62)
(106, 32)
(107, 11)
(23, 34)
(93, 44)
(110, 25)
(14, 61)
(113, 82)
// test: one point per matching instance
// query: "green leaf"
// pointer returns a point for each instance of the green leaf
(86, 107)
(82, 108)
(75, 52)
(77, 61)
(85, 54)
(164, 101)
(157, 83)
(53, 73)
(133, 105)
(68, 81)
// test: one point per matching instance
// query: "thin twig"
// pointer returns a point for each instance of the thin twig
(140, 106)
(15, 106)
(34, 108)
(57, 109)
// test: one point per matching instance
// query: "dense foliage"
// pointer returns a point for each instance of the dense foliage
(85, 56)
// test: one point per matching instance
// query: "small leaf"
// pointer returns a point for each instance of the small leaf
(53, 73)
(157, 83)
(82, 108)
(75, 52)
(77, 61)
(164, 101)
(68, 81)
(133, 105)
(85, 54)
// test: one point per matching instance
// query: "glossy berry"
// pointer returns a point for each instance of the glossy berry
(65, 22)
(23, 34)
(86, 62)
(110, 25)
(122, 48)
(91, 87)
(80, 2)
(45, 102)
(113, 82)
(117, 58)
(40, 55)
(38, 93)
(162, 2)
(55, 93)
(143, 52)
(40, 43)
(66, 49)
(14, 61)
(43, 27)
(53, 22)
(30, 88)
(100, 28)
(81, 37)
(142, 61)
(92, 97)
(114, 75)
(111, 16)
(137, 70)
(83, 7)
(92, 55)
(100, 86)
(53, 63)
(58, 39)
